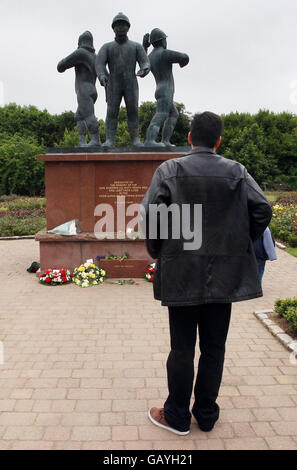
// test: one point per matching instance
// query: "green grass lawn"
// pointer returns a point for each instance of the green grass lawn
(292, 251)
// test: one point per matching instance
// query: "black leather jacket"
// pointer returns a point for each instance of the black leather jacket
(235, 213)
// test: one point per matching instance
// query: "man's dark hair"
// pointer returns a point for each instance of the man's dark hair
(206, 128)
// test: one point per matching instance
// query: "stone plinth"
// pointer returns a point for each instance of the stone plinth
(78, 182)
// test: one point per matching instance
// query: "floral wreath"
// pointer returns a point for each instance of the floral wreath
(149, 274)
(55, 277)
(88, 275)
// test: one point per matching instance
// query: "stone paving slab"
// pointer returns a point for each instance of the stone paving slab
(82, 366)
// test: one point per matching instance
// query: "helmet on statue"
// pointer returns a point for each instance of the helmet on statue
(120, 17)
(157, 35)
(86, 40)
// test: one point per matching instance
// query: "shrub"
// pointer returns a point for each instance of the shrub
(292, 240)
(15, 227)
(22, 216)
(20, 172)
(9, 197)
(291, 316)
(283, 224)
(26, 203)
(288, 198)
(29, 121)
(281, 306)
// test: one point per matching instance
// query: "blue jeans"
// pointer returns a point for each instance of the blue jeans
(261, 268)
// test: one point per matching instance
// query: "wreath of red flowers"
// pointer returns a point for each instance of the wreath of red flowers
(150, 272)
(56, 277)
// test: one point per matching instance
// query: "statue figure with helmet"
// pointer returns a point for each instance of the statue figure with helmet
(161, 60)
(83, 59)
(120, 81)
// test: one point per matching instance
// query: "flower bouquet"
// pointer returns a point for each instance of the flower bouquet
(149, 274)
(88, 275)
(55, 277)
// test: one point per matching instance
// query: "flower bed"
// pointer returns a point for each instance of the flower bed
(21, 216)
(284, 219)
(287, 309)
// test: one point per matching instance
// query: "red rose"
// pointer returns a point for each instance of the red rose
(64, 279)
(48, 280)
(147, 271)
(63, 271)
(152, 278)
(48, 271)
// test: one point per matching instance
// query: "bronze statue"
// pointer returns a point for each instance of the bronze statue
(121, 56)
(83, 59)
(161, 60)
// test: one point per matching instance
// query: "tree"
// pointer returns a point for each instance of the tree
(71, 138)
(30, 121)
(248, 148)
(20, 172)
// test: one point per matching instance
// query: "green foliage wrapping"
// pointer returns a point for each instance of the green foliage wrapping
(287, 308)
(20, 172)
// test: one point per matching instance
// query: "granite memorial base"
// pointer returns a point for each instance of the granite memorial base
(76, 183)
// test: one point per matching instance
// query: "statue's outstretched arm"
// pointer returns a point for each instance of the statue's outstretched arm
(175, 57)
(146, 42)
(100, 65)
(143, 62)
(70, 61)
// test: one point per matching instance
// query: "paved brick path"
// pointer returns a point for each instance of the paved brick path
(83, 366)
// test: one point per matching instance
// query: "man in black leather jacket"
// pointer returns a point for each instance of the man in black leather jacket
(200, 284)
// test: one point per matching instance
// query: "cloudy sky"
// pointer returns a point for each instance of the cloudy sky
(243, 53)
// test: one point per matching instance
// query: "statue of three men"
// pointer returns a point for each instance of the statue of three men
(120, 81)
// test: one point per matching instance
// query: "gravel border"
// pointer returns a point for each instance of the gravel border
(275, 330)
